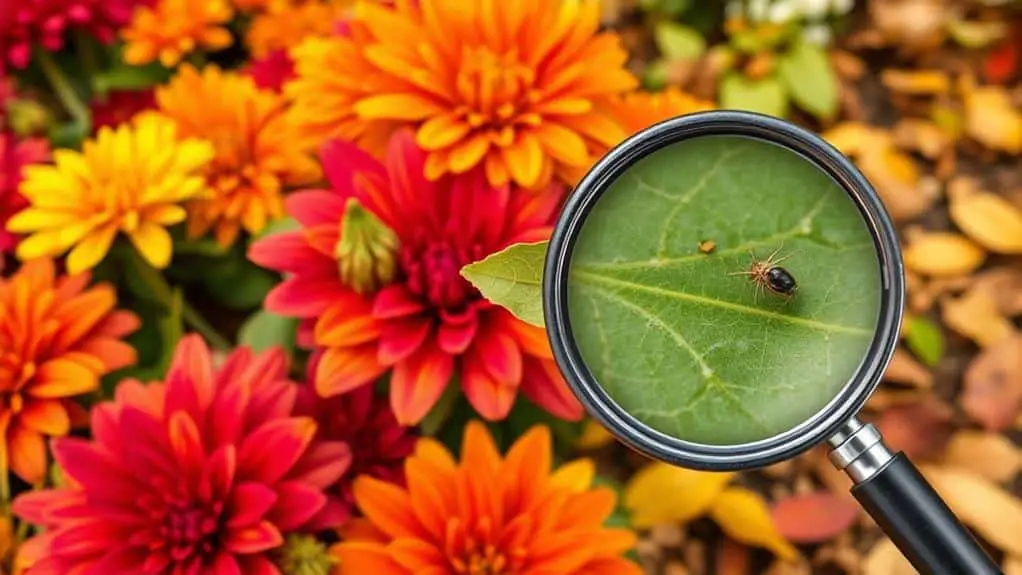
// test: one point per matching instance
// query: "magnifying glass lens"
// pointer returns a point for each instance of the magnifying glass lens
(724, 289)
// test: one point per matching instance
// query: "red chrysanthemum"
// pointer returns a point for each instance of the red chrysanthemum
(363, 420)
(24, 23)
(120, 106)
(15, 154)
(205, 473)
(428, 323)
(272, 71)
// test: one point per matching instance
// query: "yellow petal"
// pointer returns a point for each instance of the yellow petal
(594, 436)
(576, 476)
(942, 254)
(662, 493)
(442, 131)
(31, 219)
(407, 107)
(167, 215)
(743, 515)
(91, 249)
(562, 144)
(524, 159)
(468, 153)
(153, 244)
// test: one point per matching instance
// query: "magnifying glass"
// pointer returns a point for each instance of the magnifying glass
(724, 290)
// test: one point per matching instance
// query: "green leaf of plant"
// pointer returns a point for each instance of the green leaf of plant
(925, 339)
(766, 96)
(264, 330)
(125, 77)
(677, 41)
(681, 339)
(512, 278)
(809, 79)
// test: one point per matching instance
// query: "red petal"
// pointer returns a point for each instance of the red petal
(418, 382)
(454, 338)
(185, 442)
(249, 504)
(190, 378)
(500, 354)
(120, 559)
(303, 297)
(298, 503)
(269, 452)
(335, 514)
(315, 207)
(290, 252)
(324, 463)
(342, 369)
(543, 384)
(491, 399)
(342, 160)
(256, 539)
(224, 564)
(406, 167)
(346, 323)
(119, 324)
(401, 338)
(395, 301)
(89, 465)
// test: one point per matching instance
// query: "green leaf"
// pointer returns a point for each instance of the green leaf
(264, 329)
(441, 412)
(125, 77)
(512, 278)
(925, 339)
(277, 227)
(155, 341)
(681, 339)
(677, 41)
(766, 96)
(238, 283)
(810, 79)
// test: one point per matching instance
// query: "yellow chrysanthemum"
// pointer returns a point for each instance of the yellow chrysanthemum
(172, 29)
(639, 110)
(128, 180)
(512, 86)
(255, 155)
(284, 24)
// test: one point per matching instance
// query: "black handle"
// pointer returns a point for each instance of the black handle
(919, 523)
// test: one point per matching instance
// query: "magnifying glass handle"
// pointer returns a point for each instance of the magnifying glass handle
(906, 507)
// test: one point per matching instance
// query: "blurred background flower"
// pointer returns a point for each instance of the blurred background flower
(254, 161)
(521, 517)
(206, 472)
(424, 320)
(172, 29)
(131, 180)
(58, 337)
(510, 86)
(16, 152)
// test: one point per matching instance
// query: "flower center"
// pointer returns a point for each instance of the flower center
(497, 90)
(191, 529)
(433, 273)
(472, 552)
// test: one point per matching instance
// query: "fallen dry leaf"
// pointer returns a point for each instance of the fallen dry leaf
(989, 454)
(886, 397)
(916, 81)
(942, 254)
(988, 219)
(662, 493)
(1012, 565)
(849, 137)
(974, 315)
(813, 517)
(886, 559)
(743, 515)
(896, 178)
(992, 390)
(1004, 285)
(913, 26)
(992, 512)
(921, 136)
(919, 429)
(732, 558)
(990, 117)
(593, 435)
(905, 369)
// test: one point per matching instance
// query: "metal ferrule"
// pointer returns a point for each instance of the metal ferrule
(858, 450)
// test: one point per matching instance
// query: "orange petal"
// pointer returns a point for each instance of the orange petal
(528, 462)
(612, 566)
(562, 144)
(63, 378)
(114, 353)
(345, 326)
(496, 171)
(342, 369)
(468, 153)
(388, 506)
(46, 416)
(407, 107)
(431, 450)
(478, 448)
(524, 159)
(416, 554)
(28, 454)
(418, 382)
(358, 558)
(431, 492)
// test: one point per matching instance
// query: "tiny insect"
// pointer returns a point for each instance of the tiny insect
(707, 246)
(768, 274)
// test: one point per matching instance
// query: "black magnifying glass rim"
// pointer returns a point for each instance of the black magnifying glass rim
(642, 437)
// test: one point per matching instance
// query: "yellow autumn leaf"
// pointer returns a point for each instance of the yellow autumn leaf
(744, 516)
(916, 82)
(991, 119)
(593, 435)
(849, 137)
(1012, 565)
(992, 512)
(662, 493)
(988, 219)
(991, 455)
(942, 254)
(886, 559)
(975, 315)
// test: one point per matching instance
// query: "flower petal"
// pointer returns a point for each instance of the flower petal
(401, 338)
(272, 449)
(63, 378)
(46, 416)
(153, 243)
(249, 504)
(298, 503)
(361, 557)
(27, 452)
(418, 382)
(395, 301)
(255, 539)
(342, 369)
(388, 507)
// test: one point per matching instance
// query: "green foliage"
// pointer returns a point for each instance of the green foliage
(513, 277)
(766, 96)
(265, 329)
(925, 338)
(809, 79)
(677, 41)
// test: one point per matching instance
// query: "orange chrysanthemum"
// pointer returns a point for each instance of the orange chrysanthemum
(639, 110)
(172, 29)
(255, 157)
(286, 23)
(513, 86)
(57, 338)
(486, 515)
